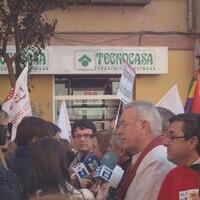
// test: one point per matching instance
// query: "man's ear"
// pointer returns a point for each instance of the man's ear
(194, 142)
(143, 126)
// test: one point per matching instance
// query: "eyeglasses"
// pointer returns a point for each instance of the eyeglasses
(86, 136)
(171, 138)
(171, 135)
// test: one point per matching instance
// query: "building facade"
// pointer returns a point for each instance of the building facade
(161, 26)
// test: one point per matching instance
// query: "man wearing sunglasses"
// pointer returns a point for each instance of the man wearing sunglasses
(183, 149)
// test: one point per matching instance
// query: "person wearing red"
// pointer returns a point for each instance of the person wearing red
(183, 149)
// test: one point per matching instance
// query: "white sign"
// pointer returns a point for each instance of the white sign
(97, 60)
(17, 103)
(125, 91)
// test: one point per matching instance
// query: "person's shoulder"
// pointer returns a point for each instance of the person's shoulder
(181, 170)
(158, 153)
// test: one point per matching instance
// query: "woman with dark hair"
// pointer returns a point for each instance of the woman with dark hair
(28, 130)
(48, 174)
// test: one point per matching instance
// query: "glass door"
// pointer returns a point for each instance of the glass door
(88, 97)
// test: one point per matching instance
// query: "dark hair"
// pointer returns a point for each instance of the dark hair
(52, 129)
(83, 124)
(191, 126)
(29, 128)
(165, 115)
(48, 166)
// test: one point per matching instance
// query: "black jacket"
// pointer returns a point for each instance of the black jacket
(10, 187)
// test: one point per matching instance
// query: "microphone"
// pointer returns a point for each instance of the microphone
(91, 162)
(105, 170)
(116, 177)
(80, 170)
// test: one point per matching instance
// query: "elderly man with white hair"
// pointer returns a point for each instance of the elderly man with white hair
(140, 127)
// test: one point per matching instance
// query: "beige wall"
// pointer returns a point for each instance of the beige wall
(4, 87)
(153, 87)
(41, 96)
(159, 15)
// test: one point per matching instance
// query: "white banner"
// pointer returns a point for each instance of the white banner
(63, 122)
(17, 103)
(125, 91)
(172, 101)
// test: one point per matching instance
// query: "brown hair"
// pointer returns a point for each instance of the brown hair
(29, 128)
(103, 140)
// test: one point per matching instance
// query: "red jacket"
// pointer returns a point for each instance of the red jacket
(180, 183)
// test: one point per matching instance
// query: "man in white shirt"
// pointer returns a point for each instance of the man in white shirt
(139, 129)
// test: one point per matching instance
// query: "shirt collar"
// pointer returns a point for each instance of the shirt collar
(196, 162)
(135, 157)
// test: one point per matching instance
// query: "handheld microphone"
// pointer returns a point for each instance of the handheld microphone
(114, 182)
(80, 170)
(91, 162)
(105, 170)
(116, 177)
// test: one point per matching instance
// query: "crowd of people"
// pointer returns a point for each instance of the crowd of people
(152, 154)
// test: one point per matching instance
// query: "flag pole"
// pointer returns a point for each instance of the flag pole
(117, 117)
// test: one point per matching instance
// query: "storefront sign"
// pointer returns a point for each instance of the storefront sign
(97, 60)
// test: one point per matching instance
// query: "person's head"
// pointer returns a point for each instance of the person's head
(166, 115)
(29, 129)
(184, 139)
(82, 132)
(139, 123)
(48, 165)
(100, 142)
(53, 130)
(115, 146)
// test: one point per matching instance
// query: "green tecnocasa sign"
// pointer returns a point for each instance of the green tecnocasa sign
(97, 60)
(136, 59)
(42, 59)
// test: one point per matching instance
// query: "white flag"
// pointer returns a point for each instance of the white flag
(172, 101)
(125, 91)
(63, 122)
(17, 103)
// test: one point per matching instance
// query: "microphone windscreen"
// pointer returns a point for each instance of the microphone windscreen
(91, 161)
(109, 160)
(116, 177)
